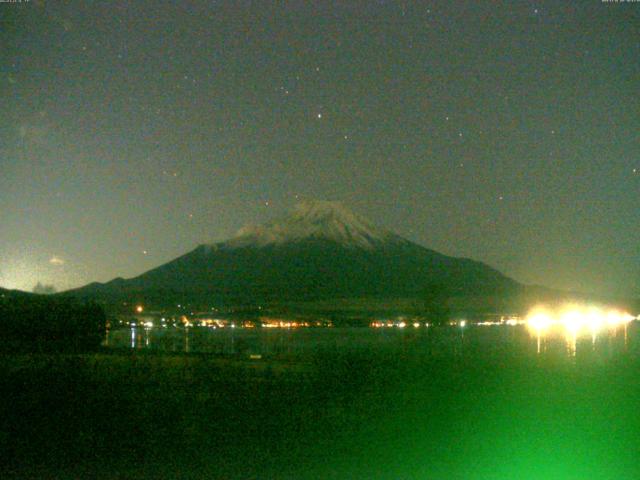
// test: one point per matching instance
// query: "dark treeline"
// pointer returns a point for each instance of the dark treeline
(37, 322)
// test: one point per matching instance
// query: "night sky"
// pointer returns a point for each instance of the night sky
(508, 132)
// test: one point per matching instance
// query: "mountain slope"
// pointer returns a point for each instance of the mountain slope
(320, 251)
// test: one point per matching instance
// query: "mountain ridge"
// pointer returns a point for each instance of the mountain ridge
(320, 251)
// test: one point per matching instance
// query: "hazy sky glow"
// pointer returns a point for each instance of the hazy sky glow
(130, 132)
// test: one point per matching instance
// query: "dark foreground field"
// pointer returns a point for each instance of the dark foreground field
(390, 415)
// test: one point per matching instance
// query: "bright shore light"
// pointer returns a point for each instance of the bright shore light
(539, 321)
(575, 319)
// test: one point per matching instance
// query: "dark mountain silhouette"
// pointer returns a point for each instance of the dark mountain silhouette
(320, 251)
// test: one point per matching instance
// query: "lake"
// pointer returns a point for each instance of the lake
(449, 340)
(472, 403)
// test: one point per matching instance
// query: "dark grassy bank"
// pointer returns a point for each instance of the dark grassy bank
(392, 414)
(32, 323)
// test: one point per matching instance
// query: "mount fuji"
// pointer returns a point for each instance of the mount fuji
(321, 251)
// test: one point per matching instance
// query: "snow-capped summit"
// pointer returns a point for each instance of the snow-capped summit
(321, 251)
(315, 220)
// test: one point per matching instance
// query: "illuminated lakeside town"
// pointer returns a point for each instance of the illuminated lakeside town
(569, 324)
(573, 318)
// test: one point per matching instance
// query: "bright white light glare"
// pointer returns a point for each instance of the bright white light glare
(462, 323)
(573, 320)
(576, 319)
(615, 318)
(594, 319)
(539, 321)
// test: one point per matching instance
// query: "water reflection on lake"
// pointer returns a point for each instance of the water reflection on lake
(450, 340)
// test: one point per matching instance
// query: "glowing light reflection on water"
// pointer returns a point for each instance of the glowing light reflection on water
(575, 321)
(449, 340)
